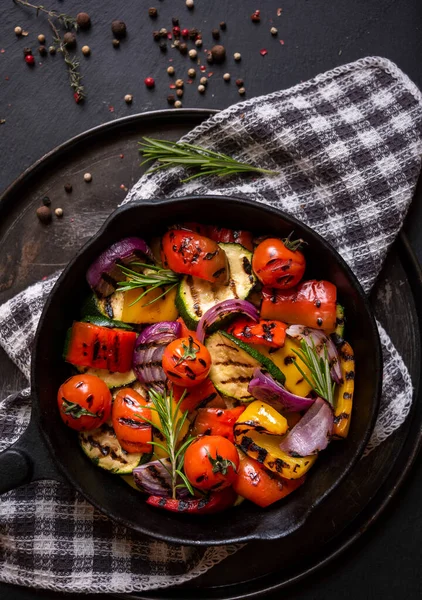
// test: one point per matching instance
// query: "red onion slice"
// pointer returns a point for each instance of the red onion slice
(226, 307)
(263, 387)
(300, 332)
(104, 274)
(153, 478)
(313, 432)
(149, 350)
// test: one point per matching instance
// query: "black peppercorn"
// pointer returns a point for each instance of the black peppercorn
(83, 20)
(171, 99)
(46, 201)
(42, 50)
(69, 39)
(156, 35)
(118, 28)
(163, 46)
(68, 188)
(223, 26)
(216, 34)
(27, 51)
(239, 82)
(44, 214)
(152, 12)
(116, 43)
(183, 48)
(193, 33)
(175, 21)
(218, 53)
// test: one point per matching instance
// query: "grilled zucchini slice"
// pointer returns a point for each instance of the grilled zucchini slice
(110, 378)
(195, 296)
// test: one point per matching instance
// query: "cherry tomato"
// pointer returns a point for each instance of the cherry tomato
(211, 462)
(190, 253)
(84, 402)
(133, 433)
(217, 421)
(278, 263)
(186, 361)
(260, 486)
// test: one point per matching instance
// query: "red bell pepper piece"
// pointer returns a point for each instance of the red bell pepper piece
(185, 332)
(265, 332)
(100, 347)
(311, 303)
(217, 421)
(203, 394)
(233, 236)
(213, 503)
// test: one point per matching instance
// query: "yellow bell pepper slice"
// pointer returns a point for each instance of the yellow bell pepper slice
(343, 399)
(163, 309)
(263, 417)
(284, 359)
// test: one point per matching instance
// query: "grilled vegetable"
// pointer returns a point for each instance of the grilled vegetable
(217, 421)
(265, 333)
(105, 322)
(213, 503)
(279, 263)
(192, 254)
(149, 350)
(231, 236)
(196, 296)
(211, 463)
(222, 309)
(311, 303)
(340, 320)
(102, 447)
(263, 418)
(233, 365)
(111, 379)
(261, 486)
(129, 410)
(186, 362)
(100, 347)
(161, 452)
(120, 306)
(154, 478)
(200, 396)
(313, 432)
(284, 360)
(263, 387)
(185, 331)
(84, 402)
(343, 401)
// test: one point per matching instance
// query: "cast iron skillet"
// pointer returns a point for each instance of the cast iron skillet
(28, 459)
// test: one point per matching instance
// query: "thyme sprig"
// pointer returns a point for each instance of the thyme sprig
(72, 65)
(148, 281)
(171, 424)
(172, 154)
(319, 366)
(65, 20)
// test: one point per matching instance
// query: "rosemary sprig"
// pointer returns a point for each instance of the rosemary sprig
(207, 162)
(66, 21)
(71, 63)
(171, 424)
(148, 281)
(319, 367)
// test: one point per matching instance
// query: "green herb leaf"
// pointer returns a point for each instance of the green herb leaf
(160, 278)
(319, 366)
(76, 411)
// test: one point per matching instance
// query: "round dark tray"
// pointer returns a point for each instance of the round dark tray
(32, 251)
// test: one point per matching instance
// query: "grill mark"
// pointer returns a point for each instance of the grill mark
(232, 285)
(350, 375)
(133, 423)
(108, 307)
(240, 379)
(229, 363)
(195, 296)
(227, 346)
(155, 474)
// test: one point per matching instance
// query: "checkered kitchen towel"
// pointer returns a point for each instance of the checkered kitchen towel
(347, 145)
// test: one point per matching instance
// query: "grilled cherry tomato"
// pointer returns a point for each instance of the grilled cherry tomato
(84, 402)
(198, 396)
(190, 253)
(233, 236)
(312, 303)
(264, 333)
(211, 463)
(260, 486)
(279, 264)
(217, 421)
(186, 361)
(133, 433)
(212, 503)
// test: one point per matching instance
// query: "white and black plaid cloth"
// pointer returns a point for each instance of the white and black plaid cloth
(348, 148)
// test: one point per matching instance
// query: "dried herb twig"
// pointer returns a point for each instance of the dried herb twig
(72, 65)
(67, 21)
(148, 281)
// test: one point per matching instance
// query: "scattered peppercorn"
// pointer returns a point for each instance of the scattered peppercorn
(163, 32)
(46, 201)
(42, 50)
(175, 21)
(149, 82)
(256, 16)
(198, 42)
(223, 26)
(201, 89)
(239, 82)
(237, 56)
(68, 188)
(128, 98)
(190, 4)
(215, 34)
(193, 53)
(86, 50)
(273, 30)
(179, 83)
(29, 59)
(226, 76)
(209, 57)
(171, 99)
(152, 12)
(156, 35)
(83, 20)
(163, 46)
(170, 70)
(69, 39)
(44, 214)
(193, 33)
(27, 51)
(119, 29)
(177, 104)
(179, 93)
(87, 177)
(18, 30)
(192, 73)
(41, 38)
(58, 212)
(176, 31)
(241, 91)
(183, 48)
(176, 43)
(116, 43)
(52, 50)
(77, 97)
(203, 81)
(185, 33)
(218, 53)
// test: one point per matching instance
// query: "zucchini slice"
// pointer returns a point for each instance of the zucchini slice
(112, 380)
(233, 364)
(104, 322)
(102, 447)
(111, 307)
(195, 296)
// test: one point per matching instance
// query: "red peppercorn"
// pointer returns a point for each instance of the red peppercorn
(29, 59)
(176, 31)
(185, 33)
(77, 97)
(256, 16)
(149, 82)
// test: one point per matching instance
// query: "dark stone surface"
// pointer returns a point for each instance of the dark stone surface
(40, 113)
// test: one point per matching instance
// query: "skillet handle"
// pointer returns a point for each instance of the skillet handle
(28, 459)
